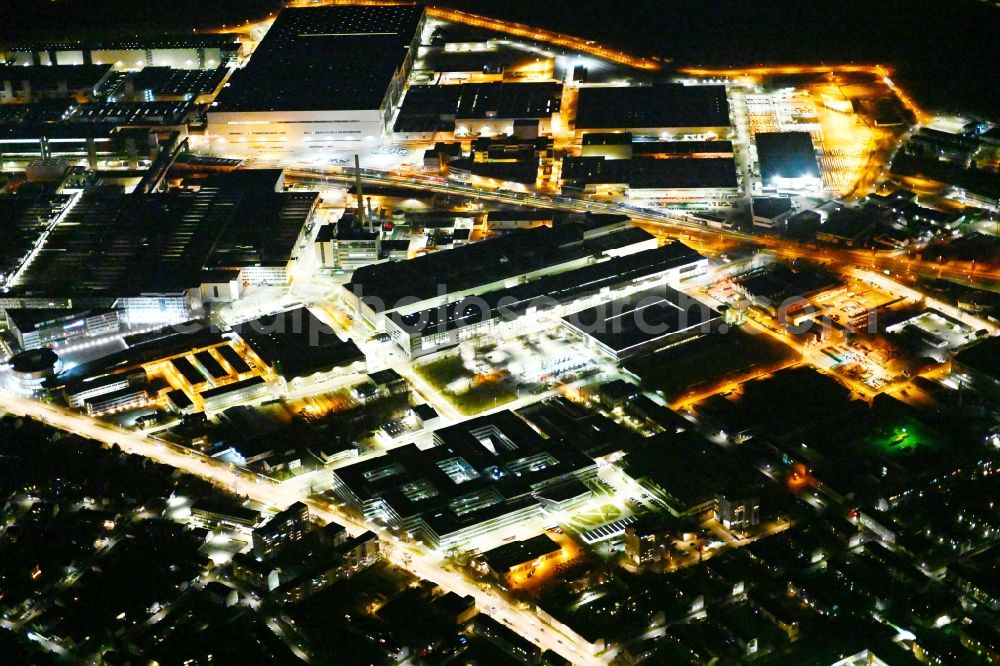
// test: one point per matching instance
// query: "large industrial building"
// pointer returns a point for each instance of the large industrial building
(322, 76)
(665, 110)
(151, 255)
(184, 368)
(686, 471)
(478, 109)
(788, 162)
(509, 311)
(641, 322)
(299, 347)
(406, 287)
(623, 146)
(669, 181)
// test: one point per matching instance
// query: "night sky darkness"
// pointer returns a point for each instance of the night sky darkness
(947, 51)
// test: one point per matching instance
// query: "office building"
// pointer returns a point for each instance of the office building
(321, 77)
(212, 512)
(79, 392)
(478, 109)
(482, 478)
(650, 540)
(770, 212)
(117, 401)
(42, 328)
(241, 391)
(299, 347)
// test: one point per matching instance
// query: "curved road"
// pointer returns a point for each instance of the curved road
(410, 557)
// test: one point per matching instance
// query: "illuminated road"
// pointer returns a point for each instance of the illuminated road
(544, 36)
(407, 556)
(667, 223)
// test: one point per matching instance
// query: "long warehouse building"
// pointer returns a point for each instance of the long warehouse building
(510, 311)
(321, 77)
(375, 292)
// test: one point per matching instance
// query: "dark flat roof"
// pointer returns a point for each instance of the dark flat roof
(983, 357)
(682, 147)
(231, 388)
(560, 288)
(95, 382)
(174, 41)
(778, 282)
(664, 105)
(167, 81)
(691, 469)
(649, 173)
(25, 217)
(34, 360)
(786, 155)
(642, 317)
(607, 139)
(520, 215)
(525, 172)
(131, 113)
(115, 244)
(233, 358)
(325, 58)
(225, 510)
(188, 371)
(769, 207)
(213, 367)
(430, 105)
(297, 343)
(522, 251)
(180, 399)
(385, 377)
(504, 558)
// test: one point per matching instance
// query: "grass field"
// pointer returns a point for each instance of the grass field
(478, 398)
(442, 372)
